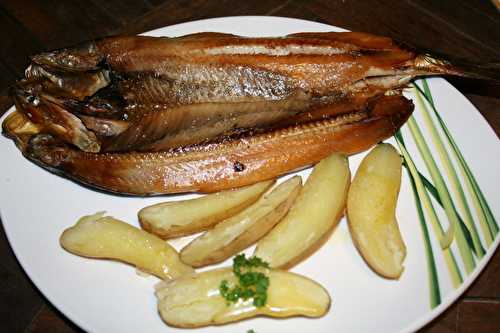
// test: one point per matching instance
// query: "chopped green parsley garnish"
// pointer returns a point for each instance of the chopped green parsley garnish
(251, 284)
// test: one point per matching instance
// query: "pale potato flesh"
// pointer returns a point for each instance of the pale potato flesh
(195, 301)
(316, 211)
(100, 236)
(243, 229)
(371, 208)
(180, 218)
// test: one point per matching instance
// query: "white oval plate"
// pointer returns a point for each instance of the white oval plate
(103, 296)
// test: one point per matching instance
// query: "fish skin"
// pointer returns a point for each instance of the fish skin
(225, 164)
(157, 84)
(210, 111)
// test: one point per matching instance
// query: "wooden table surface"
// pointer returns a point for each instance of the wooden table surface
(459, 28)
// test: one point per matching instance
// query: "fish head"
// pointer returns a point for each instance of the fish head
(33, 98)
(78, 72)
(26, 121)
(69, 84)
(27, 99)
(36, 99)
(83, 57)
(30, 99)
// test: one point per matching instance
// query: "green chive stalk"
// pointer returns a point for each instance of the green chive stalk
(486, 219)
(452, 176)
(451, 263)
(449, 208)
(432, 190)
(435, 293)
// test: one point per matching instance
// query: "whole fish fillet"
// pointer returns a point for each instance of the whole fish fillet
(219, 165)
(209, 111)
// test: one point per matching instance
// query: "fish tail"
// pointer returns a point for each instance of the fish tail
(482, 71)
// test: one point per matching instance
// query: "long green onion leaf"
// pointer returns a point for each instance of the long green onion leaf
(451, 263)
(484, 205)
(464, 249)
(432, 190)
(486, 219)
(435, 293)
(445, 239)
(452, 176)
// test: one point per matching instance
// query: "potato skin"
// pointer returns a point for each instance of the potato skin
(181, 218)
(371, 207)
(315, 213)
(243, 229)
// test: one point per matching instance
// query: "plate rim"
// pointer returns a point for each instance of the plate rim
(416, 324)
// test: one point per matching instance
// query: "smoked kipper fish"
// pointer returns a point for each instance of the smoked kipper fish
(210, 111)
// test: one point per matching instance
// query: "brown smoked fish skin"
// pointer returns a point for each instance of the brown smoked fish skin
(141, 93)
(209, 111)
(227, 164)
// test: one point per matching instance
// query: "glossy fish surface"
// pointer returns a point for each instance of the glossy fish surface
(209, 111)
(228, 163)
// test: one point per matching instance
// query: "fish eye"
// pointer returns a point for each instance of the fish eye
(33, 100)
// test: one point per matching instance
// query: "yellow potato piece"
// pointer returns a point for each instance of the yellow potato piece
(180, 218)
(195, 301)
(100, 236)
(371, 208)
(243, 229)
(316, 211)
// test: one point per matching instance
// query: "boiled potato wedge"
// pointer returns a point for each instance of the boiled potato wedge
(99, 236)
(371, 207)
(243, 229)
(181, 218)
(194, 300)
(316, 211)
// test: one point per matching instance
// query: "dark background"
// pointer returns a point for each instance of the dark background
(468, 29)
